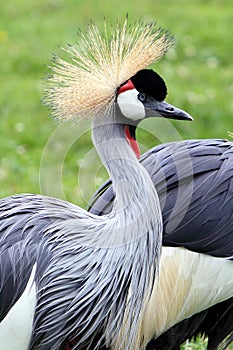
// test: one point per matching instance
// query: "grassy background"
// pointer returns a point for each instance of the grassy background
(198, 72)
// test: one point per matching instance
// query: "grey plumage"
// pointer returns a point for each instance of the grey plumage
(206, 225)
(212, 166)
(90, 277)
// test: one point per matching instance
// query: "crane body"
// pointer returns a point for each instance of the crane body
(87, 278)
(77, 256)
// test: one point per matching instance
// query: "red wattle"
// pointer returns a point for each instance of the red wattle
(132, 142)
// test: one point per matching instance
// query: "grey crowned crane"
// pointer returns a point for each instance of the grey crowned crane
(71, 279)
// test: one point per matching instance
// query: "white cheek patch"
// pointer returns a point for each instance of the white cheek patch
(130, 106)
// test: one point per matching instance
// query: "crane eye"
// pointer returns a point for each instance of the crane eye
(142, 97)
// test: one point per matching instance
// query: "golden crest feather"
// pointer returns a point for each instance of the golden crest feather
(99, 63)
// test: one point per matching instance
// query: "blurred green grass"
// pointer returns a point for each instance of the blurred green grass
(198, 72)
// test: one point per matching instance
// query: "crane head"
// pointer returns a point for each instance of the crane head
(143, 96)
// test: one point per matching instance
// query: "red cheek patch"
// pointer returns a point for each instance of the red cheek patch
(127, 86)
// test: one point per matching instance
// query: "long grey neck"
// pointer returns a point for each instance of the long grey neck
(134, 228)
(111, 144)
(136, 197)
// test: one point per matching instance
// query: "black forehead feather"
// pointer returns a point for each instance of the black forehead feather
(150, 83)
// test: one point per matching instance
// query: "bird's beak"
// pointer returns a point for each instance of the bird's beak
(163, 109)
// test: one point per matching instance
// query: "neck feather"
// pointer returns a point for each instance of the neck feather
(136, 197)
(134, 225)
